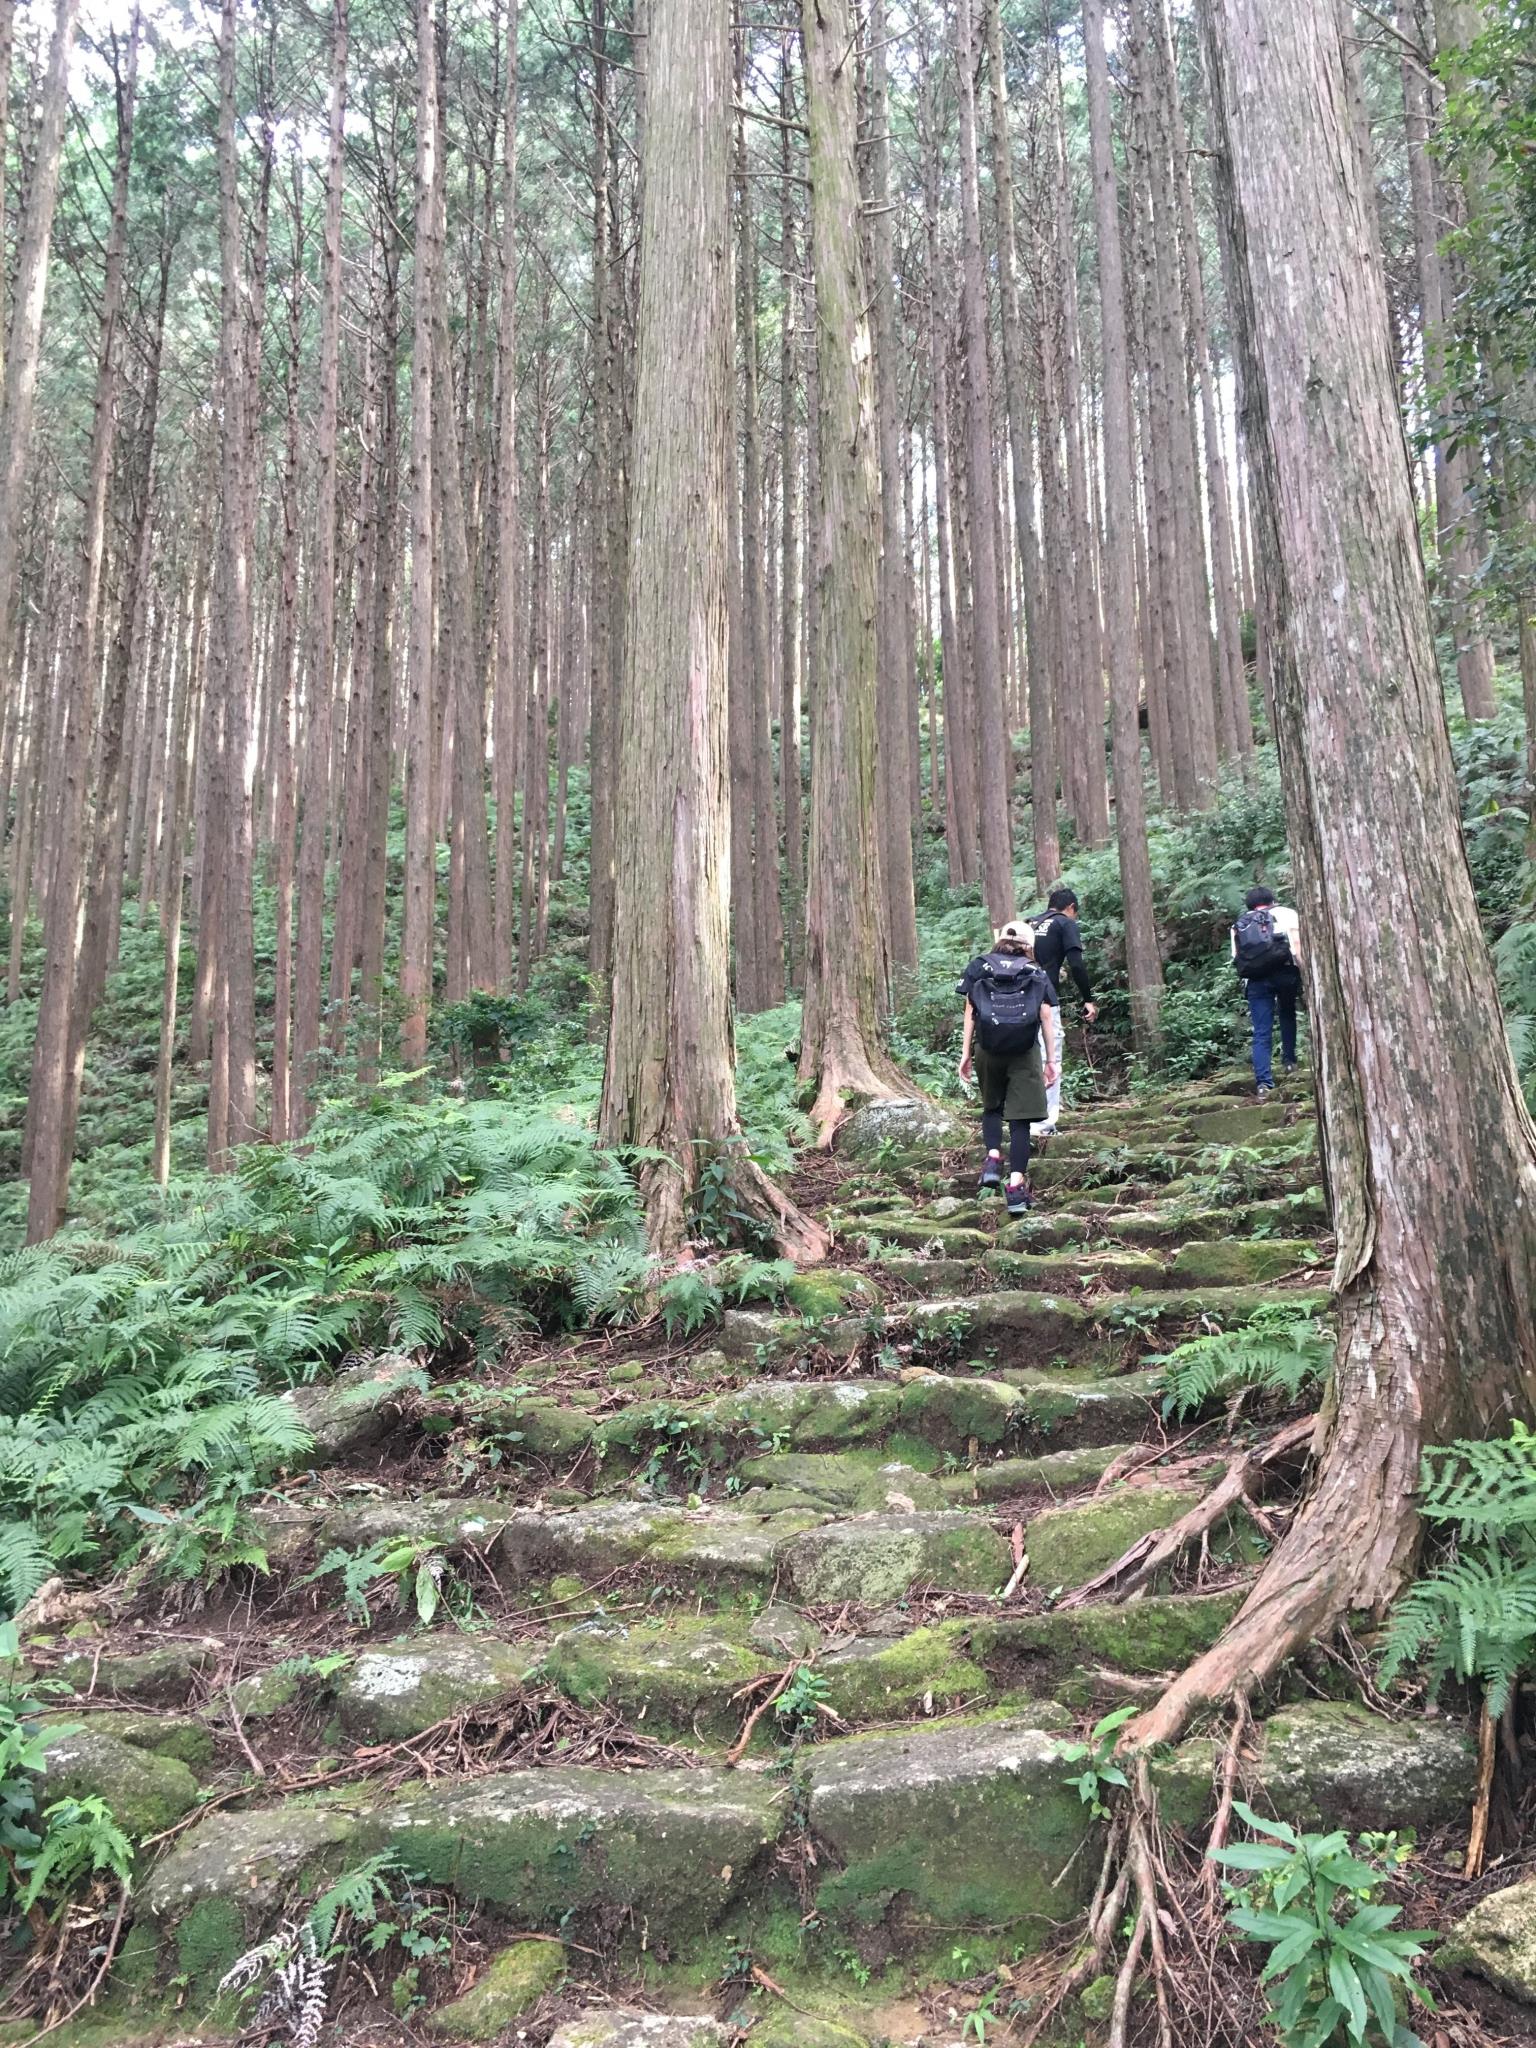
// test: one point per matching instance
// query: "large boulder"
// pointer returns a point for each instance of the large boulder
(673, 1848)
(1497, 1942)
(881, 1130)
(950, 1827)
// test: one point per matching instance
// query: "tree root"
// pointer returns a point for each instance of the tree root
(850, 1070)
(665, 1191)
(1152, 1554)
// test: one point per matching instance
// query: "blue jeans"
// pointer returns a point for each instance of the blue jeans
(1265, 999)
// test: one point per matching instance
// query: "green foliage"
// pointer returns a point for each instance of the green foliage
(1336, 1953)
(798, 1707)
(1473, 1614)
(81, 1840)
(1279, 1351)
(1100, 1773)
(688, 1299)
(134, 1369)
(413, 1569)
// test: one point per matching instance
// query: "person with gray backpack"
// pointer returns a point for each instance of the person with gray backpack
(1265, 941)
(1010, 1021)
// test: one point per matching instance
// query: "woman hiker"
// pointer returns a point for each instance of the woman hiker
(1010, 1019)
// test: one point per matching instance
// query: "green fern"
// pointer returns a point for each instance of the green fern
(688, 1300)
(358, 1894)
(1473, 1614)
(1279, 1352)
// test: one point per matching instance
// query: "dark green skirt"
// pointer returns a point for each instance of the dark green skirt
(1013, 1082)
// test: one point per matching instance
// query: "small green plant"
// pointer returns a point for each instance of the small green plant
(1100, 1772)
(1283, 1350)
(1335, 1953)
(81, 1840)
(855, 1965)
(414, 1568)
(798, 1707)
(688, 1300)
(1473, 1614)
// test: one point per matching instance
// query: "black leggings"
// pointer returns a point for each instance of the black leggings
(1018, 1138)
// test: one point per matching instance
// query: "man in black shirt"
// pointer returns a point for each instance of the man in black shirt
(1059, 947)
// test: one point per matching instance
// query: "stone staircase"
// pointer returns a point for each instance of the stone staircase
(734, 1664)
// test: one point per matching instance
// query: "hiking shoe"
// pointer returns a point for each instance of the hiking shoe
(1019, 1199)
(1265, 1090)
(991, 1176)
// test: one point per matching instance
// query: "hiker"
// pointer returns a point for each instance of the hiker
(1266, 942)
(1058, 945)
(1010, 1017)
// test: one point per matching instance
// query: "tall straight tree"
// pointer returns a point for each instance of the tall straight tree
(504, 705)
(59, 1041)
(31, 285)
(1436, 1293)
(321, 663)
(994, 741)
(669, 1085)
(416, 942)
(1144, 965)
(847, 962)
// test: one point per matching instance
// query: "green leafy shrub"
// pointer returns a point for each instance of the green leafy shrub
(1337, 1954)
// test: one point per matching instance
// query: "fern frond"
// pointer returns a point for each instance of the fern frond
(1280, 1357)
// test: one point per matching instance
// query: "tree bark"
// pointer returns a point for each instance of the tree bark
(892, 637)
(994, 741)
(321, 650)
(792, 298)
(847, 959)
(31, 285)
(668, 1085)
(419, 918)
(51, 1097)
(1436, 1293)
(1144, 967)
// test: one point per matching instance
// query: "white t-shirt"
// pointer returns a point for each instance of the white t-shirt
(1287, 926)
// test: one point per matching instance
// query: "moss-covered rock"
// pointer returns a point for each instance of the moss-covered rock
(1333, 1764)
(1497, 1942)
(261, 1694)
(151, 1678)
(145, 1792)
(879, 1558)
(1240, 1261)
(1074, 1409)
(1018, 1329)
(398, 1690)
(349, 1414)
(949, 1827)
(608, 2027)
(1242, 1126)
(1055, 1272)
(1059, 1471)
(1044, 1228)
(1069, 1545)
(818, 1415)
(828, 1290)
(842, 1479)
(780, 2029)
(224, 1884)
(679, 1673)
(1146, 1637)
(954, 1412)
(452, 1524)
(956, 1241)
(781, 1631)
(672, 1847)
(590, 1542)
(882, 1678)
(911, 1127)
(174, 1735)
(531, 1426)
(511, 1984)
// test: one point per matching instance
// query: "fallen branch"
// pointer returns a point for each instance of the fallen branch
(738, 1748)
(1482, 1805)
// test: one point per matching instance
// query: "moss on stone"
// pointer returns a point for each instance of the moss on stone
(955, 1411)
(512, 1984)
(828, 1291)
(781, 2029)
(146, 1793)
(1240, 1261)
(1060, 1471)
(151, 1678)
(1497, 1942)
(1145, 1638)
(679, 1674)
(876, 1561)
(401, 1688)
(174, 1735)
(1069, 1545)
(879, 1678)
(210, 1938)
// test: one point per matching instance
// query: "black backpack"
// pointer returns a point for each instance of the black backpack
(1259, 950)
(1006, 997)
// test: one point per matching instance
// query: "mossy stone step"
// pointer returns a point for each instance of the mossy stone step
(1062, 1272)
(712, 1546)
(943, 1828)
(396, 1691)
(1284, 1215)
(1073, 1543)
(1039, 1652)
(846, 1480)
(1005, 1478)
(931, 1276)
(1074, 1410)
(1242, 1261)
(146, 1792)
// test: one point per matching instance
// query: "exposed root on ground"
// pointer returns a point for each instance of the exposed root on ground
(850, 1070)
(665, 1191)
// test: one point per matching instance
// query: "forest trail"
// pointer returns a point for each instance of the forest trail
(722, 1686)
